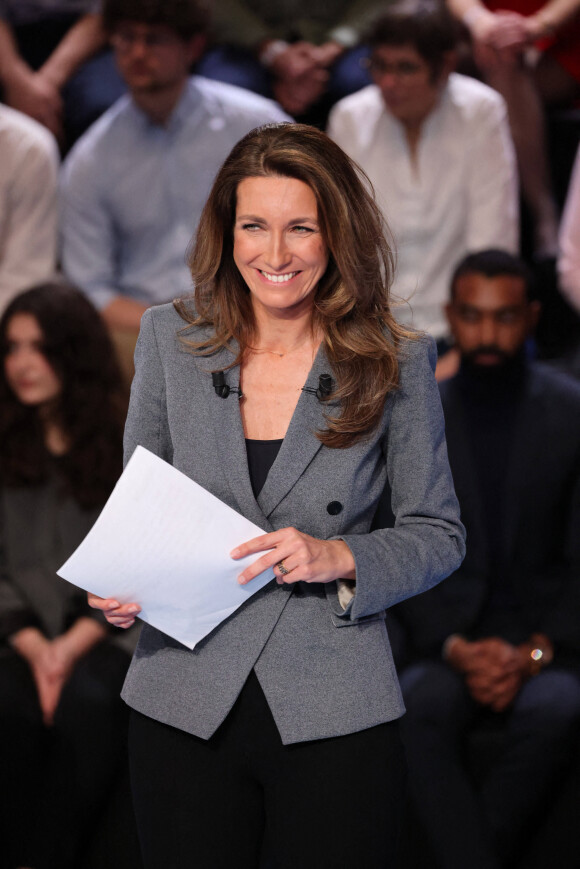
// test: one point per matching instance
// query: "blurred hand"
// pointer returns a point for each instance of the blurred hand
(494, 669)
(297, 60)
(32, 93)
(327, 53)
(498, 693)
(49, 665)
(537, 27)
(499, 30)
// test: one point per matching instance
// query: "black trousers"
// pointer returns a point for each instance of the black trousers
(56, 779)
(242, 799)
(493, 822)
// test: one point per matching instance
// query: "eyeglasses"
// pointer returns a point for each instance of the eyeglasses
(404, 69)
(155, 40)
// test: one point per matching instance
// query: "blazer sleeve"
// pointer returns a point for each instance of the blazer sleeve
(147, 423)
(427, 542)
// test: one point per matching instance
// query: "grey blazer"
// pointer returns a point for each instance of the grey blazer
(326, 671)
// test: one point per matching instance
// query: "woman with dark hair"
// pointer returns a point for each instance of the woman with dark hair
(286, 388)
(62, 408)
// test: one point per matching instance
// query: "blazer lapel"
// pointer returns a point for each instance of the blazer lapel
(229, 437)
(297, 451)
(300, 444)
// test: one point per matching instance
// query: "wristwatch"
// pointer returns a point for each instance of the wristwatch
(539, 657)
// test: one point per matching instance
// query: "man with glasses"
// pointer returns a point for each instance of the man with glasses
(135, 184)
(437, 149)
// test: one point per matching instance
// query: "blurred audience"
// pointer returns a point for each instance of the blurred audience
(54, 65)
(498, 643)
(437, 149)
(302, 53)
(135, 184)
(569, 260)
(529, 51)
(62, 723)
(28, 206)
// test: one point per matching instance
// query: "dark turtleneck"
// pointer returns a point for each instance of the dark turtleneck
(491, 398)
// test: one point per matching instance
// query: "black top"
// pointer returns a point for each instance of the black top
(491, 403)
(261, 457)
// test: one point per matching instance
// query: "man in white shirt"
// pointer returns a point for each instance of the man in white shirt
(28, 207)
(136, 182)
(437, 149)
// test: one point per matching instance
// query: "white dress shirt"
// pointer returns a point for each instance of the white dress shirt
(133, 191)
(569, 259)
(28, 205)
(460, 196)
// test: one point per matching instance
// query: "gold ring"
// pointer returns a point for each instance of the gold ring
(282, 568)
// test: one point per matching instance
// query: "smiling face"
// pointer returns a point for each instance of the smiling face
(28, 373)
(278, 245)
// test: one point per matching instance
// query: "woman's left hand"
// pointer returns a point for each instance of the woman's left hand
(301, 557)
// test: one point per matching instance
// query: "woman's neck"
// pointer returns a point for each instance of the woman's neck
(282, 335)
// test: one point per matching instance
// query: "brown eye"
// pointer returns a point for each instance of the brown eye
(469, 316)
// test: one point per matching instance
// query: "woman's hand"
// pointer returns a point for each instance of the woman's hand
(52, 661)
(303, 558)
(119, 615)
(50, 678)
(49, 672)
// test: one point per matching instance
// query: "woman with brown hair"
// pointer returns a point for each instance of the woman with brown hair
(61, 722)
(286, 388)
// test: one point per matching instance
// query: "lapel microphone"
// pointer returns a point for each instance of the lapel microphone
(324, 386)
(222, 390)
(323, 389)
(220, 386)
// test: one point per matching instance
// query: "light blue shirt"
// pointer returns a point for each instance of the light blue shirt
(133, 191)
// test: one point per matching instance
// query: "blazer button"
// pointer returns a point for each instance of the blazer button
(334, 508)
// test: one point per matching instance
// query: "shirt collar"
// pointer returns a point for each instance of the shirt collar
(185, 109)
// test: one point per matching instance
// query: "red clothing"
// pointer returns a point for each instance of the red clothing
(564, 47)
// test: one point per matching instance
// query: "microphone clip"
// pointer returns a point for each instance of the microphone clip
(323, 389)
(221, 388)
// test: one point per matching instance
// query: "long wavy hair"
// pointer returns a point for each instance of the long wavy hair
(352, 307)
(91, 406)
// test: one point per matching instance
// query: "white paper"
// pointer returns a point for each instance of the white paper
(163, 541)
